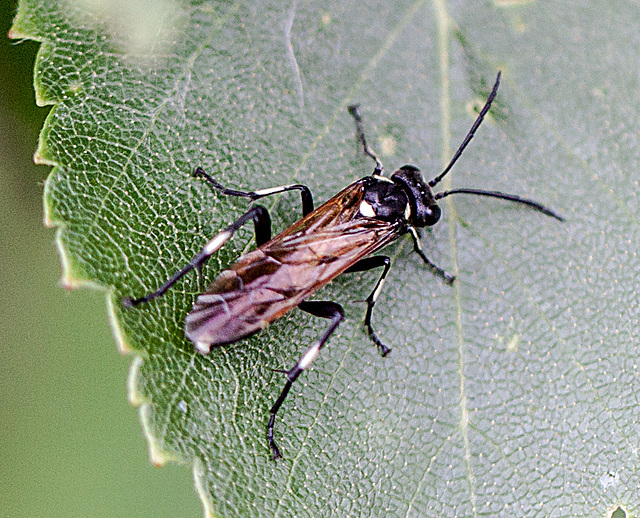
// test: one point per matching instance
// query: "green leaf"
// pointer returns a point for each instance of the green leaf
(513, 392)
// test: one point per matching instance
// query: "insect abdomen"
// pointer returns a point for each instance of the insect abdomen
(237, 304)
(272, 280)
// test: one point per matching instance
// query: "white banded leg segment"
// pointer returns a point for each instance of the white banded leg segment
(305, 193)
(417, 248)
(196, 262)
(319, 309)
(273, 190)
(262, 222)
(303, 363)
(378, 288)
(417, 245)
(216, 242)
(382, 178)
(309, 356)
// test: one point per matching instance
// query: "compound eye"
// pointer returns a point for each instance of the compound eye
(432, 215)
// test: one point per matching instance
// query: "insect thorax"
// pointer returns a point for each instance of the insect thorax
(384, 200)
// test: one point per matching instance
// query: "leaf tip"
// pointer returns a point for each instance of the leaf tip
(69, 280)
(39, 158)
(158, 456)
(15, 34)
(124, 348)
(204, 494)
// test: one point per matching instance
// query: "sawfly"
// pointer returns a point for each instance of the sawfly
(337, 237)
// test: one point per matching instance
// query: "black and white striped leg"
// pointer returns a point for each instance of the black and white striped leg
(262, 224)
(362, 266)
(417, 248)
(305, 193)
(322, 309)
(355, 113)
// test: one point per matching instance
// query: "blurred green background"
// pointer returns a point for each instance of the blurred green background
(71, 445)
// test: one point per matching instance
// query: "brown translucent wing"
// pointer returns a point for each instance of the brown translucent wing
(268, 282)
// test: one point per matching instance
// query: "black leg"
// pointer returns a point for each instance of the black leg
(262, 223)
(322, 309)
(353, 110)
(417, 248)
(362, 266)
(305, 193)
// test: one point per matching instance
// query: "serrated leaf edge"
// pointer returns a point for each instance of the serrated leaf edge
(158, 455)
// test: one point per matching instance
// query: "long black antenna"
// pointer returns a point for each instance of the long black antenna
(509, 197)
(472, 131)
